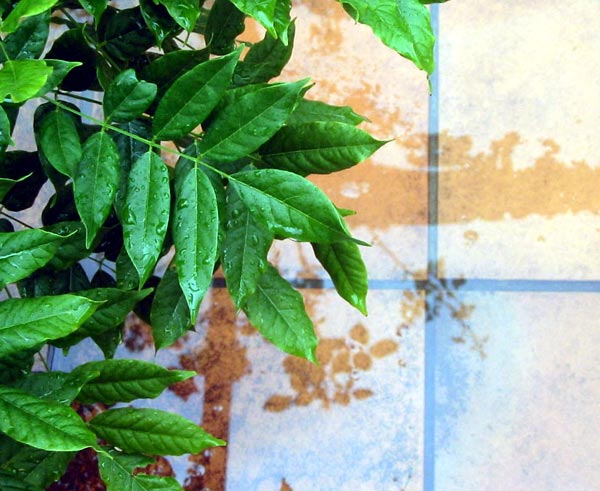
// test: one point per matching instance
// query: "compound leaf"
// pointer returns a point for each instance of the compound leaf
(309, 111)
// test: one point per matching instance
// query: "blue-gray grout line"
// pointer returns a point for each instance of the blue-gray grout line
(432, 269)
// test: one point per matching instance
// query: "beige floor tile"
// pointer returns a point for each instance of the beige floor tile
(518, 138)
(518, 409)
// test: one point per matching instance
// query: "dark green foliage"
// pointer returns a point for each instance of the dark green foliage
(242, 146)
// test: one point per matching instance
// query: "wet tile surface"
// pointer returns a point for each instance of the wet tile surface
(520, 411)
(518, 124)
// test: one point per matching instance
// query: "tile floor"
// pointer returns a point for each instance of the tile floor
(477, 366)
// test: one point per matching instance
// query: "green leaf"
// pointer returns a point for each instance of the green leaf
(96, 182)
(170, 313)
(60, 69)
(27, 169)
(55, 386)
(25, 251)
(7, 184)
(343, 262)
(127, 276)
(403, 25)
(309, 111)
(59, 141)
(277, 311)
(151, 431)
(111, 313)
(273, 15)
(244, 125)
(126, 380)
(246, 245)
(225, 23)
(27, 322)
(73, 248)
(95, 8)
(117, 476)
(38, 469)
(126, 97)
(130, 150)
(195, 234)
(192, 97)
(28, 40)
(145, 215)
(265, 60)
(158, 21)
(11, 483)
(124, 33)
(170, 67)
(43, 424)
(318, 148)
(282, 19)
(22, 79)
(5, 132)
(25, 8)
(289, 205)
(185, 12)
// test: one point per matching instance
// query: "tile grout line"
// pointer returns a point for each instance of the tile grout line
(432, 267)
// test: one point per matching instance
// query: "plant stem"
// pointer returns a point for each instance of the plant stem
(141, 139)
(78, 97)
(8, 292)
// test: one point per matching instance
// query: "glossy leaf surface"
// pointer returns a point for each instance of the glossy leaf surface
(96, 182)
(170, 313)
(185, 12)
(248, 122)
(145, 215)
(126, 380)
(318, 148)
(25, 8)
(196, 234)
(289, 205)
(403, 25)
(245, 249)
(225, 22)
(22, 79)
(309, 111)
(192, 97)
(277, 311)
(29, 322)
(28, 40)
(343, 262)
(118, 477)
(42, 424)
(59, 141)
(126, 97)
(152, 431)
(25, 251)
